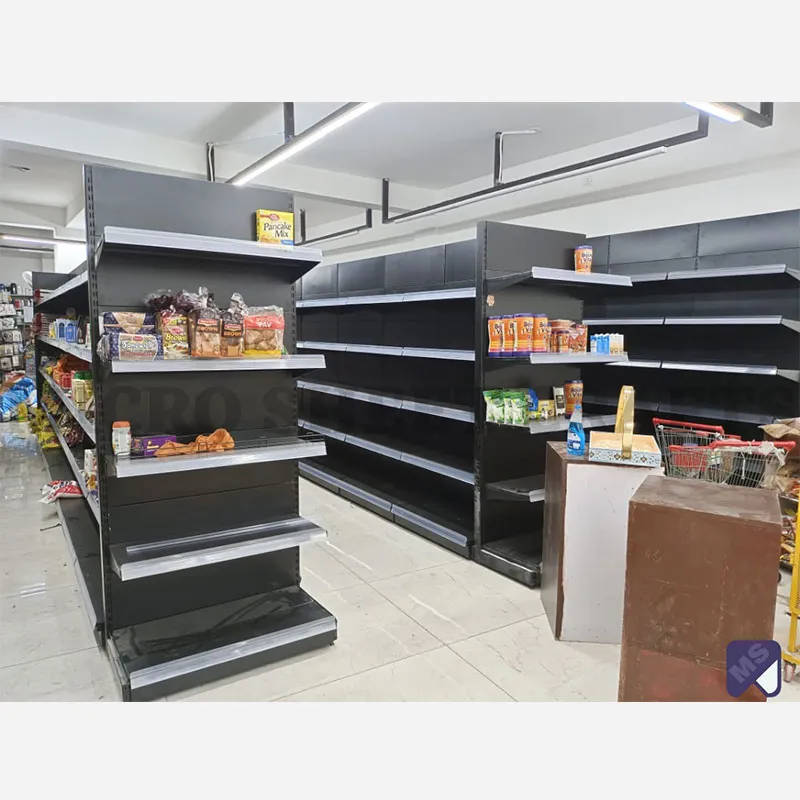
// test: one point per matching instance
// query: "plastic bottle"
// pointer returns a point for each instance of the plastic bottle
(576, 438)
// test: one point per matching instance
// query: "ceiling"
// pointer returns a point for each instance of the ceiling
(50, 180)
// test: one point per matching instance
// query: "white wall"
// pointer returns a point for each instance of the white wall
(744, 195)
(13, 263)
(69, 256)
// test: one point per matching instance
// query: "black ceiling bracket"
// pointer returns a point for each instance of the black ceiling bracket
(701, 132)
(288, 122)
(346, 232)
(211, 162)
(761, 118)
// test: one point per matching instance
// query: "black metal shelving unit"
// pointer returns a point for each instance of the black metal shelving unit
(195, 571)
(401, 403)
(712, 322)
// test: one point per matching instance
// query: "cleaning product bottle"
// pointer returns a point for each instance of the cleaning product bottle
(576, 438)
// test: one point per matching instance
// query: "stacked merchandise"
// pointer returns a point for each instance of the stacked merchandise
(41, 428)
(191, 325)
(71, 375)
(17, 394)
(70, 328)
(523, 406)
(514, 335)
(70, 429)
(12, 340)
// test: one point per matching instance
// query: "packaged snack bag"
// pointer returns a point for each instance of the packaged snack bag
(263, 331)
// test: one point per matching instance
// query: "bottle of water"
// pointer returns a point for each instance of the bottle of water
(576, 438)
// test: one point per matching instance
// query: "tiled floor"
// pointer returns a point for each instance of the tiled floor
(416, 622)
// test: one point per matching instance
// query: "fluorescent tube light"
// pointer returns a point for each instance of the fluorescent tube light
(719, 110)
(552, 179)
(9, 237)
(312, 135)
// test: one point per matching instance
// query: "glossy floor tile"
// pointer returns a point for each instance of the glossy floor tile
(416, 622)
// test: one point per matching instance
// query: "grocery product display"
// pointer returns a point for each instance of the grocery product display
(190, 325)
(16, 315)
(522, 334)
(172, 410)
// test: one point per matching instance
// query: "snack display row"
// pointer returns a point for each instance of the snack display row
(70, 328)
(190, 325)
(71, 375)
(73, 433)
(523, 406)
(125, 445)
(522, 334)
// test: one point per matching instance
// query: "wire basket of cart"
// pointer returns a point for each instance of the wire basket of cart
(730, 461)
(673, 433)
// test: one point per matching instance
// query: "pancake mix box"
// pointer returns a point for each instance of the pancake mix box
(275, 227)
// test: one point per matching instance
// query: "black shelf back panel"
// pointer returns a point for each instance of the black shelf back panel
(503, 453)
(158, 508)
(758, 240)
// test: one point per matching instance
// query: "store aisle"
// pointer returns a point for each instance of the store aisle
(416, 622)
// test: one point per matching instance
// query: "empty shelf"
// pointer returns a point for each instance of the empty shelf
(734, 272)
(530, 489)
(288, 450)
(382, 445)
(292, 362)
(598, 323)
(78, 350)
(649, 277)
(735, 369)
(706, 412)
(143, 560)
(387, 350)
(762, 320)
(167, 655)
(391, 401)
(77, 414)
(397, 297)
(643, 364)
(78, 282)
(518, 557)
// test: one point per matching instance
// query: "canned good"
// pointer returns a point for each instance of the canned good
(583, 258)
(524, 333)
(577, 338)
(509, 344)
(541, 334)
(574, 395)
(559, 341)
(495, 336)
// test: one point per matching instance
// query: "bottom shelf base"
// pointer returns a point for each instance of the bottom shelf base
(184, 651)
(518, 557)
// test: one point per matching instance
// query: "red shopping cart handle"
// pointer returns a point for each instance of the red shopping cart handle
(694, 425)
(787, 446)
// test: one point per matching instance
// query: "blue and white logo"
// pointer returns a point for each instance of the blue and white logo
(754, 662)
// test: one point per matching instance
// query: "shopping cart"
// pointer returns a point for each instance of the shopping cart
(730, 461)
(670, 433)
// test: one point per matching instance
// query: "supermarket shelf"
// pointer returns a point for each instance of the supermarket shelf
(77, 471)
(409, 515)
(516, 557)
(374, 446)
(72, 284)
(734, 272)
(302, 258)
(562, 358)
(217, 641)
(291, 362)
(562, 423)
(612, 402)
(385, 350)
(643, 364)
(530, 489)
(83, 544)
(762, 320)
(291, 449)
(400, 297)
(565, 277)
(649, 277)
(736, 369)
(78, 350)
(631, 321)
(391, 401)
(78, 415)
(705, 412)
(134, 561)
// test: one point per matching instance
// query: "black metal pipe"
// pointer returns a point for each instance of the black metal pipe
(211, 163)
(288, 121)
(701, 132)
(357, 229)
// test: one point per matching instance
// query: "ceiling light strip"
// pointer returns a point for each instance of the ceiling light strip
(319, 130)
(720, 110)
